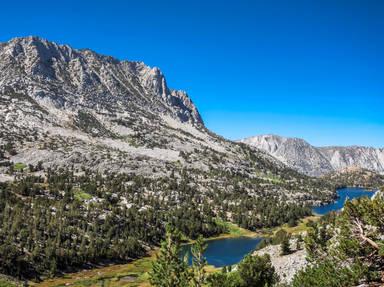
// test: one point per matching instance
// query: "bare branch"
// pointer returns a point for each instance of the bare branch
(360, 227)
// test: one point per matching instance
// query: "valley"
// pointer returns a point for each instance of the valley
(102, 165)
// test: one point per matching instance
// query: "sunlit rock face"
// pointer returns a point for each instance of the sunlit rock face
(316, 161)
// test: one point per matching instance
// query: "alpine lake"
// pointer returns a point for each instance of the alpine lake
(229, 251)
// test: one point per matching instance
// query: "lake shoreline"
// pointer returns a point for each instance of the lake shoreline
(112, 270)
(343, 194)
(239, 232)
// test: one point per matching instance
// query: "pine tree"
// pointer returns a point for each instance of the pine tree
(199, 262)
(299, 240)
(285, 246)
(356, 253)
(257, 271)
(169, 270)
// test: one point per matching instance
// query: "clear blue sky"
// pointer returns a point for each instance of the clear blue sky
(310, 69)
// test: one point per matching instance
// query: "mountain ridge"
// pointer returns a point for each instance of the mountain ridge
(317, 161)
(41, 59)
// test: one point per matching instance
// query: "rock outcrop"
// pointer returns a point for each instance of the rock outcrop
(286, 266)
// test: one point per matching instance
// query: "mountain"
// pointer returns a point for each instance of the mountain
(75, 109)
(294, 152)
(98, 155)
(355, 156)
(316, 161)
(97, 105)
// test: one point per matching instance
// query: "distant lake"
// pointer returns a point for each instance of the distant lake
(226, 251)
(343, 193)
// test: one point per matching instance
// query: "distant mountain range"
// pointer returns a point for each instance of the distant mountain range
(317, 161)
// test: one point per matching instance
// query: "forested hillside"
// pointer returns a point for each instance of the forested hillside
(64, 220)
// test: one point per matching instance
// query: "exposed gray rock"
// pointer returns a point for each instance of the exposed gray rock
(355, 156)
(316, 161)
(76, 79)
(286, 266)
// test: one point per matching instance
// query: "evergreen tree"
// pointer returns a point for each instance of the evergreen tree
(299, 240)
(169, 270)
(285, 246)
(356, 253)
(256, 271)
(224, 279)
(198, 262)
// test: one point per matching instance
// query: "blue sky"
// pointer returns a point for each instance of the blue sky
(312, 68)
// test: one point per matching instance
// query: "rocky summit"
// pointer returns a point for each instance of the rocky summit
(53, 95)
(316, 161)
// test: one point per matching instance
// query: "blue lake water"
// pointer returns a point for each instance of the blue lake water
(227, 251)
(230, 251)
(343, 193)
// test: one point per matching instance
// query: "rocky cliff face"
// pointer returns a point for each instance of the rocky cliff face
(64, 77)
(52, 95)
(316, 161)
(355, 156)
(76, 108)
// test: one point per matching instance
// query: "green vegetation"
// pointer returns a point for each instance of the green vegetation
(47, 227)
(257, 271)
(50, 226)
(273, 178)
(199, 263)
(299, 241)
(357, 178)
(251, 271)
(328, 274)
(285, 246)
(6, 282)
(89, 124)
(19, 166)
(129, 275)
(281, 236)
(271, 212)
(346, 249)
(80, 195)
(232, 229)
(170, 270)
(302, 226)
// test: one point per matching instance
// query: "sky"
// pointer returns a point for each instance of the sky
(312, 69)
